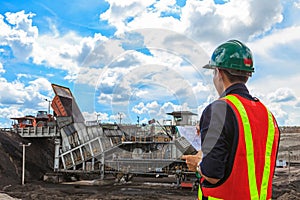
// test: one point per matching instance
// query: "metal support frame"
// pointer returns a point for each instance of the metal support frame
(56, 154)
(23, 160)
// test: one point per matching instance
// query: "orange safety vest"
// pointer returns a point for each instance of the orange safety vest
(255, 158)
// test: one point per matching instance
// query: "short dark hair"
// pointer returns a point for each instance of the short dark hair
(232, 77)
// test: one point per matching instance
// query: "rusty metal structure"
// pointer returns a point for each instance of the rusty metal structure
(111, 148)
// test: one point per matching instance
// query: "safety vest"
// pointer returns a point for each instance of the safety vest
(255, 157)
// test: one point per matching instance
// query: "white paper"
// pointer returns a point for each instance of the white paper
(190, 134)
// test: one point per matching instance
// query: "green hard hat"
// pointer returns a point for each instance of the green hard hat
(232, 55)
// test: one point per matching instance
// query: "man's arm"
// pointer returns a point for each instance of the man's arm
(210, 180)
(216, 132)
(193, 163)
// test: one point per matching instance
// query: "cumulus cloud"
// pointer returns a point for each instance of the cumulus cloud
(40, 84)
(140, 108)
(200, 87)
(279, 113)
(282, 95)
(234, 19)
(104, 98)
(119, 11)
(160, 75)
(149, 108)
(283, 103)
(272, 44)
(158, 111)
(18, 32)
(76, 54)
(168, 107)
(13, 111)
(8, 112)
(19, 99)
(95, 116)
(28, 96)
(135, 14)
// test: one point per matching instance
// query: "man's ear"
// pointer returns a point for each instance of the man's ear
(220, 74)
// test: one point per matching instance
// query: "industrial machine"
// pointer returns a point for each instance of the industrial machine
(112, 148)
(41, 119)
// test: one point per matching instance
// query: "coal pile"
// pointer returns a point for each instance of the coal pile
(39, 158)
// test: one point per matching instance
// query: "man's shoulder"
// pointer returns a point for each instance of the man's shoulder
(217, 106)
(217, 103)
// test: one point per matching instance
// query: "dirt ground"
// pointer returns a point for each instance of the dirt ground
(39, 160)
(106, 190)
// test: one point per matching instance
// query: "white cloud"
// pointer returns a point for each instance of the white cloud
(40, 84)
(150, 108)
(140, 108)
(200, 87)
(57, 52)
(282, 95)
(17, 93)
(161, 75)
(120, 116)
(158, 111)
(279, 113)
(80, 56)
(210, 98)
(170, 107)
(152, 105)
(141, 93)
(297, 4)
(119, 11)
(13, 111)
(89, 76)
(10, 112)
(19, 76)
(2, 70)
(293, 118)
(282, 102)
(95, 116)
(142, 14)
(12, 92)
(287, 37)
(104, 98)
(18, 32)
(235, 19)
(267, 84)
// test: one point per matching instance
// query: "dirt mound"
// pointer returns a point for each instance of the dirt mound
(39, 158)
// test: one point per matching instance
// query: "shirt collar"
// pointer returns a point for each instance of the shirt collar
(237, 88)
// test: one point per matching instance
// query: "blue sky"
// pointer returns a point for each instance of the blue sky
(143, 58)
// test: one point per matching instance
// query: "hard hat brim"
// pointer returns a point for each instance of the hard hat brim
(208, 66)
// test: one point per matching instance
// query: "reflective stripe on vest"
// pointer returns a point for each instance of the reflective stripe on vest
(250, 152)
(200, 195)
